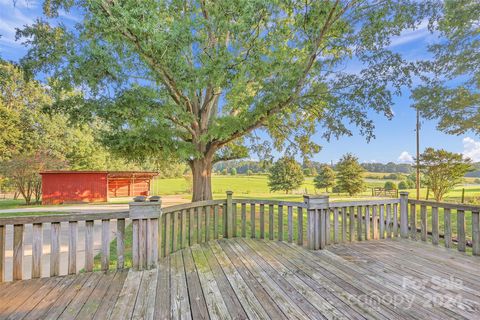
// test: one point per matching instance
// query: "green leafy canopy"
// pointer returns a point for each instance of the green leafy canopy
(184, 79)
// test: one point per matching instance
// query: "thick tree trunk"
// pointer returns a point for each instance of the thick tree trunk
(202, 179)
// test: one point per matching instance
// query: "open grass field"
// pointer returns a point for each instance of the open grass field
(257, 187)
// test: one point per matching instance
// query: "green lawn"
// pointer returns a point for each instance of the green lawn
(257, 187)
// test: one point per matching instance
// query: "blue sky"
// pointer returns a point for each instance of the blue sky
(395, 139)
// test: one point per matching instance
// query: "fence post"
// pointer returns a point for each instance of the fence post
(145, 215)
(317, 219)
(404, 214)
(229, 216)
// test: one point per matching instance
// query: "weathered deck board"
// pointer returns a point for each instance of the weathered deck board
(264, 279)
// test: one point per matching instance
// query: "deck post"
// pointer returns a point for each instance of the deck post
(229, 216)
(317, 213)
(404, 214)
(145, 244)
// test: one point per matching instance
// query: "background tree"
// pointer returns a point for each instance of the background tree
(450, 91)
(23, 171)
(285, 175)
(443, 170)
(389, 185)
(191, 80)
(325, 178)
(350, 175)
(233, 172)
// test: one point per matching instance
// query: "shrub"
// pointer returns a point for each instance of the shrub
(389, 185)
(233, 172)
(402, 185)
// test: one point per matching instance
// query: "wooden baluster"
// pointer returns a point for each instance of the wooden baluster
(244, 220)
(72, 247)
(475, 233)
(335, 225)
(152, 242)
(198, 219)
(367, 223)
(423, 218)
(234, 219)
(262, 221)
(208, 212)
(3, 234)
(395, 220)
(215, 222)
(359, 223)
(55, 249)
(37, 250)
(351, 224)
(290, 223)
(447, 224)
(105, 244)
(382, 221)
(327, 228)
(252, 221)
(462, 244)
(120, 243)
(168, 233)
(375, 222)
(18, 251)
(389, 221)
(89, 245)
(191, 227)
(175, 229)
(280, 223)
(413, 222)
(161, 234)
(300, 226)
(435, 233)
(344, 224)
(183, 241)
(136, 244)
(270, 222)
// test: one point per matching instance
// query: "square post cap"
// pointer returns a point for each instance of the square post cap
(316, 201)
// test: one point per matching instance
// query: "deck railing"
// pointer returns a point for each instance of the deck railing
(63, 233)
(156, 232)
(455, 224)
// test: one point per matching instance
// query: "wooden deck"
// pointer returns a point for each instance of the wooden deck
(261, 279)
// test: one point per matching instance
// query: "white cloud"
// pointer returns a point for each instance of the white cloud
(405, 157)
(471, 149)
(421, 31)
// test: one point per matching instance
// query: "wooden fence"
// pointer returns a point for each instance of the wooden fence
(156, 232)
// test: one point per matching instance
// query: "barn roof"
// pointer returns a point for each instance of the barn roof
(116, 174)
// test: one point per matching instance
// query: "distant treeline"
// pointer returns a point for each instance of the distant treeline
(259, 167)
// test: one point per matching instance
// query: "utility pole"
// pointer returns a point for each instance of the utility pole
(418, 155)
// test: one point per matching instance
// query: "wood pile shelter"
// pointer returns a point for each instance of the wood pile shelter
(93, 186)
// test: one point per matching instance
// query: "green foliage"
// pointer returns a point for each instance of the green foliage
(191, 80)
(224, 172)
(389, 185)
(403, 185)
(325, 178)
(249, 172)
(285, 175)
(23, 170)
(233, 172)
(350, 175)
(450, 90)
(307, 172)
(393, 176)
(443, 170)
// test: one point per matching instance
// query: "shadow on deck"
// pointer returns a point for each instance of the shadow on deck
(261, 279)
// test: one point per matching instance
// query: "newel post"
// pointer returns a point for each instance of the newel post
(317, 213)
(145, 217)
(404, 214)
(229, 216)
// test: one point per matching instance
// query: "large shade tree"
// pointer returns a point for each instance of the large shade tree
(450, 91)
(192, 80)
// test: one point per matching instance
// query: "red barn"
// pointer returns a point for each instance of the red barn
(93, 186)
